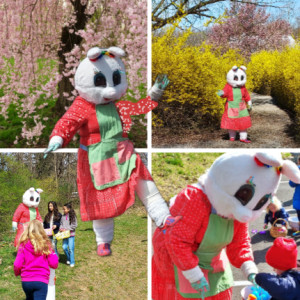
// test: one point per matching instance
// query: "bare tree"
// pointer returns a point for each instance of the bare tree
(166, 12)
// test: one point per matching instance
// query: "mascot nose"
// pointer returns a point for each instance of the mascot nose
(109, 92)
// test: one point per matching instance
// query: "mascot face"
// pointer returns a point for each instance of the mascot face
(32, 198)
(236, 77)
(240, 186)
(100, 78)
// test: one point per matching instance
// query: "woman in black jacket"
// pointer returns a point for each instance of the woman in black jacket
(52, 220)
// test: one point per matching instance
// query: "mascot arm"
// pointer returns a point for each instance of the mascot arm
(181, 238)
(141, 107)
(239, 250)
(246, 95)
(38, 216)
(72, 120)
(227, 89)
(18, 213)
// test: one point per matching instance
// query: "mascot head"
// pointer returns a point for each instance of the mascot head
(32, 198)
(236, 77)
(240, 186)
(100, 78)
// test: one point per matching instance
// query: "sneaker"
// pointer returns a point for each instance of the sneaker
(245, 141)
(103, 249)
(68, 262)
(72, 265)
(232, 139)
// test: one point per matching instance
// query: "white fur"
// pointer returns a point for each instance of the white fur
(249, 267)
(193, 275)
(230, 171)
(241, 76)
(32, 193)
(84, 76)
(56, 140)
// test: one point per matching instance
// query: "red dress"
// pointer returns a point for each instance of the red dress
(22, 216)
(241, 123)
(178, 244)
(113, 201)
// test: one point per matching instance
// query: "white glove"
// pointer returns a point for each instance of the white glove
(55, 143)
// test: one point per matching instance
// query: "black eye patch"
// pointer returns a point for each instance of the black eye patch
(242, 77)
(262, 202)
(31, 198)
(245, 193)
(37, 199)
(100, 80)
(235, 78)
(116, 77)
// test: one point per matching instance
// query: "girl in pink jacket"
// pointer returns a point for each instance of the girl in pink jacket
(35, 256)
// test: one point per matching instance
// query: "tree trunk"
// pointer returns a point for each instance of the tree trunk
(68, 41)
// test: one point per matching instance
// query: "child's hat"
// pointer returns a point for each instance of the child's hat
(283, 254)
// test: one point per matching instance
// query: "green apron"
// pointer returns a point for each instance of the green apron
(32, 213)
(237, 108)
(113, 159)
(213, 260)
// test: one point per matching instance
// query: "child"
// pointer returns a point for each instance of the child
(35, 256)
(236, 116)
(275, 211)
(69, 222)
(52, 220)
(296, 198)
(282, 256)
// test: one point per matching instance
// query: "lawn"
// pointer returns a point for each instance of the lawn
(123, 275)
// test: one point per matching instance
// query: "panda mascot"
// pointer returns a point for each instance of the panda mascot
(109, 171)
(26, 211)
(236, 115)
(191, 259)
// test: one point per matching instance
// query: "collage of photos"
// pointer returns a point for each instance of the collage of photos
(150, 149)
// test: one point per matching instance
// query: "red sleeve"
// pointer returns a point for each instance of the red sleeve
(246, 95)
(181, 238)
(19, 261)
(239, 250)
(18, 213)
(72, 120)
(227, 91)
(127, 109)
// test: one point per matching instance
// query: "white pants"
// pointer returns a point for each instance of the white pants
(155, 205)
(243, 134)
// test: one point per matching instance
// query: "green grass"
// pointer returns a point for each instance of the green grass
(174, 171)
(123, 275)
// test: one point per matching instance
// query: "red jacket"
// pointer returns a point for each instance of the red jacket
(228, 93)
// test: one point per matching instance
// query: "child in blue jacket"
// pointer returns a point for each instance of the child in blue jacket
(285, 284)
(275, 211)
(296, 197)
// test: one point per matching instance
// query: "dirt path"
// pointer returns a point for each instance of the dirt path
(271, 127)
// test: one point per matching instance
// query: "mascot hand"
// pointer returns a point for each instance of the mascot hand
(220, 93)
(249, 105)
(51, 148)
(265, 226)
(251, 278)
(201, 286)
(14, 226)
(159, 86)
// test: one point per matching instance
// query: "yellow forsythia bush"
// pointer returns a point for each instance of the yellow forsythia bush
(280, 71)
(196, 73)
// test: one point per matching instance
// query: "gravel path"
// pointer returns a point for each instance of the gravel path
(271, 127)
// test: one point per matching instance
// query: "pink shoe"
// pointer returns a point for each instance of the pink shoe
(103, 249)
(232, 139)
(245, 141)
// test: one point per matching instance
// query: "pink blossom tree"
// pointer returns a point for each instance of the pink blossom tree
(42, 42)
(247, 27)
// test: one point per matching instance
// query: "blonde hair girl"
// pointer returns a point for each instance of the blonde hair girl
(35, 256)
(275, 211)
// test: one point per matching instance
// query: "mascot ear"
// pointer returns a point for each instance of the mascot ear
(31, 189)
(269, 159)
(243, 68)
(291, 171)
(234, 68)
(116, 51)
(94, 53)
(39, 190)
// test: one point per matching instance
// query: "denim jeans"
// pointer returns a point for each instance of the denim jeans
(69, 247)
(54, 245)
(35, 290)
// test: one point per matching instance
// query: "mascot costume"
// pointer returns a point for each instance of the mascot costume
(26, 211)
(109, 171)
(236, 115)
(191, 259)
